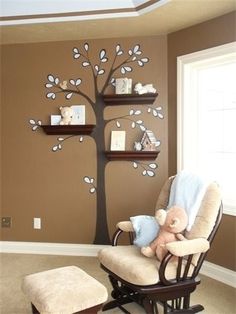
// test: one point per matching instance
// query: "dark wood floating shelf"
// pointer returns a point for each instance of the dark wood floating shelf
(129, 99)
(131, 155)
(68, 129)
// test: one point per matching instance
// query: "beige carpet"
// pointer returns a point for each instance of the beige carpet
(216, 297)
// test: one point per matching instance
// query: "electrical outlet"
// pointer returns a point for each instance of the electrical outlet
(6, 222)
(37, 223)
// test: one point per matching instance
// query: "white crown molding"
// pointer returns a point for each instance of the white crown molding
(15, 12)
(208, 269)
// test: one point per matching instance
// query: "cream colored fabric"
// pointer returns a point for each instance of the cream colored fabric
(163, 197)
(128, 263)
(126, 226)
(63, 290)
(187, 247)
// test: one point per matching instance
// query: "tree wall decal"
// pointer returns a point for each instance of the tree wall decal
(69, 88)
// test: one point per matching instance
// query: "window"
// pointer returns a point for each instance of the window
(207, 117)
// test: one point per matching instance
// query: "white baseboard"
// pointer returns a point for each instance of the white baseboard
(50, 248)
(208, 269)
(225, 275)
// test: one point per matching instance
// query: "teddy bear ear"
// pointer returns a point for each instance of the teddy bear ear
(161, 216)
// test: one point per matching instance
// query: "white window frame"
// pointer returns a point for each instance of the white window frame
(187, 67)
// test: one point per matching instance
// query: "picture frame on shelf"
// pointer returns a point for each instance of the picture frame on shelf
(55, 119)
(123, 86)
(79, 115)
(118, 140)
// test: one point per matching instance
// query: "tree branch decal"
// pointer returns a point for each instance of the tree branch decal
(121, 63)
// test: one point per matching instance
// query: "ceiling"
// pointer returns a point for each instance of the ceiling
(78, 19)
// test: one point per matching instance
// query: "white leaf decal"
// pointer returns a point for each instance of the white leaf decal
(77, 55)
(135, 165)
(160, 115)
(134, 58)
(131, 112)
(137, 112)
(72, 82)
(104, 59)
(130, 52)
(139, 122)
(87, 180)
(159, 108)
(149, 110)
(144, 172)
(122, 70)
(150, 173)
(59, 146)
(138, 52)
(142, 128)
(92, 180)
(57, 80)
(140, 63)
(48, 85)
(96, 67)
(120, 53)
(60, 139)
(39, 122)
(51, 78)
(53, 96)
(50, 95)
(34, 128)
(152, 166)
(136, 49)
(31, 121)
(78, 82)
(101, 72)
(81, 139)
(117, 48)
(86, 46)
(85, 64)
(68, 96)
(76, 50)
(133, 125)
(128, 69)
(102, 54)
(118, 124)
(144, 60)
(158, 143)
(55, 148)
(154, 112)
(92, 190)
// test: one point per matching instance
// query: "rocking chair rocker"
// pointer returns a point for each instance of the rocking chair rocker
(146, 281)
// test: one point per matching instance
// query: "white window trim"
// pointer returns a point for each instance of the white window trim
(186, 76)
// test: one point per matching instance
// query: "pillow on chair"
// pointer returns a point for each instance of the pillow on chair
(146, 229)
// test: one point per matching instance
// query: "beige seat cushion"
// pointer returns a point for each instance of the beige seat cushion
(129, 264)
(63, 290)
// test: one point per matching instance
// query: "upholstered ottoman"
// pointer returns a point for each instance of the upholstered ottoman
(64, 290)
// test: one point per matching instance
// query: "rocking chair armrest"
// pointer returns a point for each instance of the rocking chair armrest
(188, 247)
(125, 226)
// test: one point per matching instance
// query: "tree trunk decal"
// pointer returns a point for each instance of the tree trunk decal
(72, 87)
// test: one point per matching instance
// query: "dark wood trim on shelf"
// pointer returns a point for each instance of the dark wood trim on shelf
(131, 155)
(85, 129)
(129, 99)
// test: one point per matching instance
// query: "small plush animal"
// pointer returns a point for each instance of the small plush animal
(144, 89)
(172, 222)
(66, 115)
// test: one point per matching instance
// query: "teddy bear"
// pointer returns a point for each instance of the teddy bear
(67, 115)
(144, 89)
(172, 222)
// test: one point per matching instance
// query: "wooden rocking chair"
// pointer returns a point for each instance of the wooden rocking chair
(136, 278)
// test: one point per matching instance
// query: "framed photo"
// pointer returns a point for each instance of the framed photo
(55, 119)
(118, 140)
(123, 86)
(79, 114)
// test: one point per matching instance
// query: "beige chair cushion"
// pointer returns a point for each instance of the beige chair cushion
(128, 263)
(63, 290)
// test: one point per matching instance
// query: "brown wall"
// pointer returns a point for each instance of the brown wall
(212, 33)
(40, 183)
